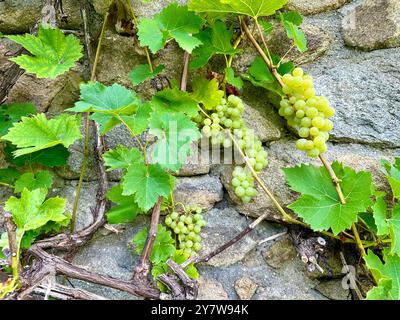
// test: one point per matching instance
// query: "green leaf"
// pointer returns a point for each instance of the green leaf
(53, 53)
(163, 247)
(252, 8)
(38, 133)
(392, 173)
(260, 71)
(216, 40)
(267, 27)
(112, 100)
(146, 183)
(231, 79)
(8, 175)
(175, 132)
(174, 22)
(319, 204)
(174, 100)
(139, 121)
(142, 72)
(126, 209)
(122, 158)
(207, 92)
(394, 224)
(10, 113)
(291, 23)
(51, 157)
(180, 257)
(32, 181)
(388, 276)
(31, 211)
(380, 214)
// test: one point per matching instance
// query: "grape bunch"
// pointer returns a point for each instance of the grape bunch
(306, 112)
(228, 115)
(187, 227)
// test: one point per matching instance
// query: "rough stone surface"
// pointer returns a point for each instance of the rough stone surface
(196, 164)
(204, 191)
(245, 288)
(332, 289)
(211, 290)
(223, 224)
(312, 7)
(14, 17)
(48, 95)
(375, 24)
(280, 252)
(264, 128)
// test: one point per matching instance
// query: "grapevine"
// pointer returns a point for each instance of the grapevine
(334, 200)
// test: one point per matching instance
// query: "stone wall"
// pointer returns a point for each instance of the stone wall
(355, 62)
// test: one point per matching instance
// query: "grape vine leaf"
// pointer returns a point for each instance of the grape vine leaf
(207, 92)
(31, 211)
(126, 209)
(388, 276)
(216, 40)
(260, 76)
(394, 225)
(174, 22)
(139, 121)
(53, 53)
(38, 133)
(51, 157)
(8, 175)
(122, 158)
(392, 173)
(267, 27)
(252, 8)
(379, 210)
(175, 132)
(291, 21)
(31, 181)
(11, 113)
(174, 100)
(163, 247)
(108, 104)
(142, 72)
(231, 79)
(319, 204)
(146, 183)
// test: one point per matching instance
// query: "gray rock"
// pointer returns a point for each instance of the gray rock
(196, 164)
(245, 288)
(373, 25)
(210, 289)
(265, 129)
(109, 254)
(333, 289)
(223, 225)
(84, 216)
(204, 191)
(48, 95)
(313, 7)
(280, 252)
(14, 17)
(283, 154)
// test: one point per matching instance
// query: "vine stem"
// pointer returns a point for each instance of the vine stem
(146, 50)
(87, 127)
(278, 77)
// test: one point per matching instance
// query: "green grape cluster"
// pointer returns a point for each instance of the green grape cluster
(306, 112)
(228, 115)
(187, 227)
